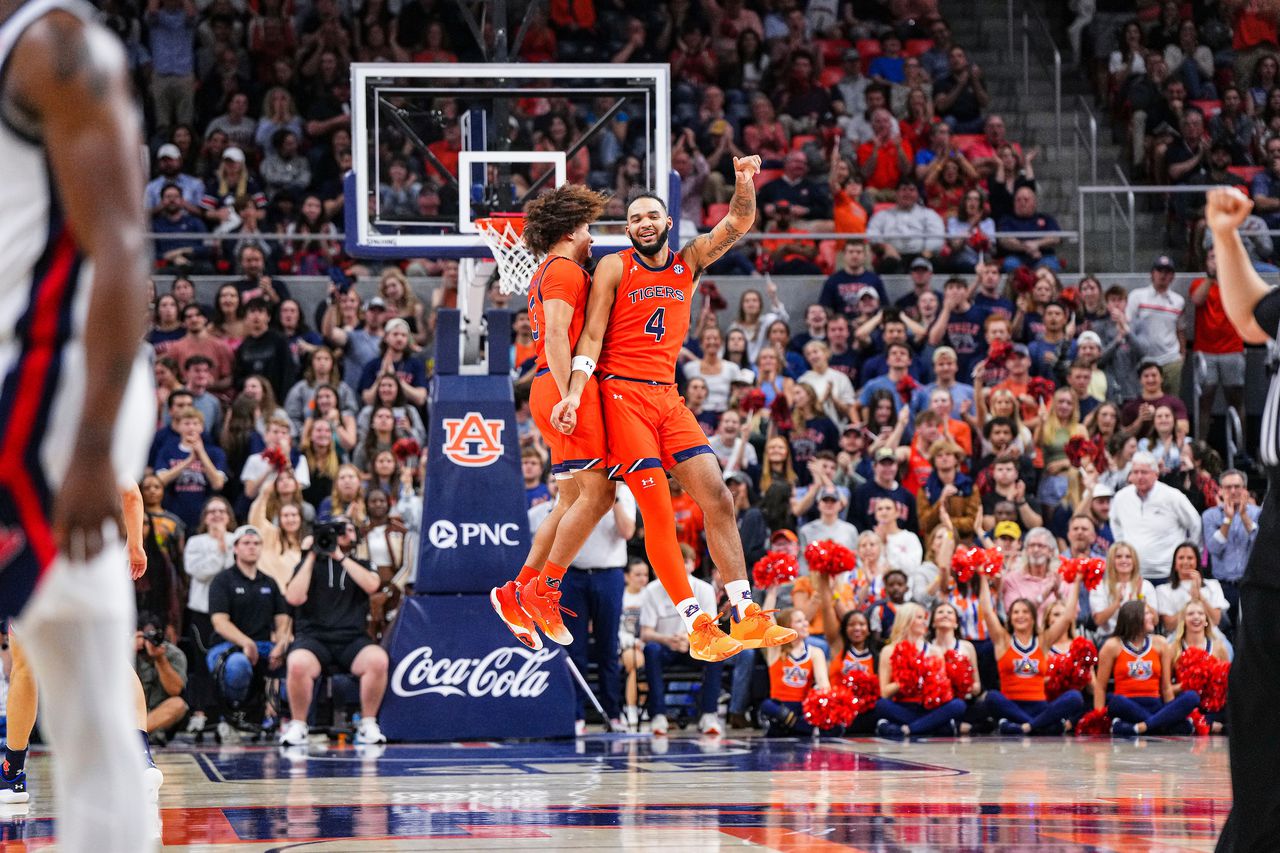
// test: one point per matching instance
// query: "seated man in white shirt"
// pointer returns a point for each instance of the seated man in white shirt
(730, 446)
(666, 642)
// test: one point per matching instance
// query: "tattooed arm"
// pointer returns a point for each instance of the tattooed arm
(68, 86)
(703, 250)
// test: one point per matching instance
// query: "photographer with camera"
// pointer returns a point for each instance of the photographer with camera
(251, 619)
(330, 593)
(162, 669)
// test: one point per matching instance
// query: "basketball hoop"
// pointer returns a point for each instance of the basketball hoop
(516, 264)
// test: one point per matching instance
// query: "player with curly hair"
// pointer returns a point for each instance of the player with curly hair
(556, 228)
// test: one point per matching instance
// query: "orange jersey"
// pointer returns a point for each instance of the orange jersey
(649, 322)
(557, 277)
(850, 661)
(1022, 672)
(790, 678)
(1137, 672)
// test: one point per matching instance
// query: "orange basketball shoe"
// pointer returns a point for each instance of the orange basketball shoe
(506, 603)
(544, 609)
(707, 642)
(757, 629)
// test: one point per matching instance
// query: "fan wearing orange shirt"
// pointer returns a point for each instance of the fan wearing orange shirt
(637, 319)
(556, 226)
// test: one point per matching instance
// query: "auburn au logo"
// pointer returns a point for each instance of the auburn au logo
(473, 441)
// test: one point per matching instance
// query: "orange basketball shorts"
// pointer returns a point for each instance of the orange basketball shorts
(582, 450)
(648, 426)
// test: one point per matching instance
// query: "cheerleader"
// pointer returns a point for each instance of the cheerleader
(944, 630)
(1195, 631)
(1143, 700)
(852, 647)
(794, 670)
(902, 718)
(1021, 705)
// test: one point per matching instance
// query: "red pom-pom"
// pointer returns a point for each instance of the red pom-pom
(907, 386)
(992, 562)
(711, 293)
(774, 569)
(827, 709)
(1094, 723)
(1198, 720)
(1199, 671)
(1079, 450)
(276, 458)
(829, 558)
(959, 671)
(752, 401)
(1091, 569)
(1023, 279)
(405, 449)
(1040, 389)
(1071, 671)
(937, 690)
(863, 687)
(998, 353)
(780, 414)
(1070, 297)
(965, 563)
(906, 668)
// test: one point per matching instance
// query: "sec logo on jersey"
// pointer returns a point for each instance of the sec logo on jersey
(473, 441)
(679, 269)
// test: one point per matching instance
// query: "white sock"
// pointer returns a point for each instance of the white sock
(739, 594)
(689, 610)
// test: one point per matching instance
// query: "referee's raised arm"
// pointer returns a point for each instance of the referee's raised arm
(1242, 288)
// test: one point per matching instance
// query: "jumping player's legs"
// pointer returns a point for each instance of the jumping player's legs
(23, 700)
(77, 630)
(595, 498)
(701, 478)
(567, 494)
(653, 499)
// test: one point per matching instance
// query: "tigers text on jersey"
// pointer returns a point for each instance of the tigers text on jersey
(557, 277)
(650, 319)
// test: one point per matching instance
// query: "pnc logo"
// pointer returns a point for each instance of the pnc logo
(473, 441)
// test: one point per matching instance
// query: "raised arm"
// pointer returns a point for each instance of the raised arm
(68, 84)
(703, 250)
(1070, 606)
(1242, 288)
(987, 610)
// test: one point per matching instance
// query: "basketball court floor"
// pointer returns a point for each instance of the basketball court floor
(634, 792)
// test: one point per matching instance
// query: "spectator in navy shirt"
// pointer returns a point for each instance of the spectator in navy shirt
(843, 359)
(396, 359)
(1265, 189)
(179, 399)
(171, 25)
(173, 218)
(190, 472)
(535, 484)
(959, 326)
(254, 282)
(264, 351)
(884, 484)
(1029, 251)
(815, 328)
(890, 65)
(807, 198)
(986, 292)
(842, 288)
(1052, 351)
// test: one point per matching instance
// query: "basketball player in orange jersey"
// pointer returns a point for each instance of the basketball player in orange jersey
(637, 319)
(556, 226)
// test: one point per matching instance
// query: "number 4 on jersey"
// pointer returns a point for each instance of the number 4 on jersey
(654, 326)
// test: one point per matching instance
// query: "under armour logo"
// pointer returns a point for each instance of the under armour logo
(647, 482)
(617, 396)
(690, 610)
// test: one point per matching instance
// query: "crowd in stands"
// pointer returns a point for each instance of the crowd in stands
(905, 429)
(1192, 90)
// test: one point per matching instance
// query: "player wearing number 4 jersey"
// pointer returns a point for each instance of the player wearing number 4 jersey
(637, 319)
(556, 226)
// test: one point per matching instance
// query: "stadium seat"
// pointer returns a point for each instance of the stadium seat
(868, 49)
(800, 140)
(915, 47)
(1246, 172)
(965, 141)
(715, 212)
(830, 76)
(764, 176)
(832, 50)
(1209, 108)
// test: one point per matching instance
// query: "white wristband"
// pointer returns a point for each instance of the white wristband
(584, 364)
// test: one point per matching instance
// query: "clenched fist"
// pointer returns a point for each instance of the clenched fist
(1226, 209)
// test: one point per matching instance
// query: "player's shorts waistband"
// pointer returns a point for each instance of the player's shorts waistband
(542, 371)
(608, 376)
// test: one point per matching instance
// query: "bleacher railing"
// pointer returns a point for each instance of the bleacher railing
(1035, 29)
(1127, 216)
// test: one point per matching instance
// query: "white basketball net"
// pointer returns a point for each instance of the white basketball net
(516, 264)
